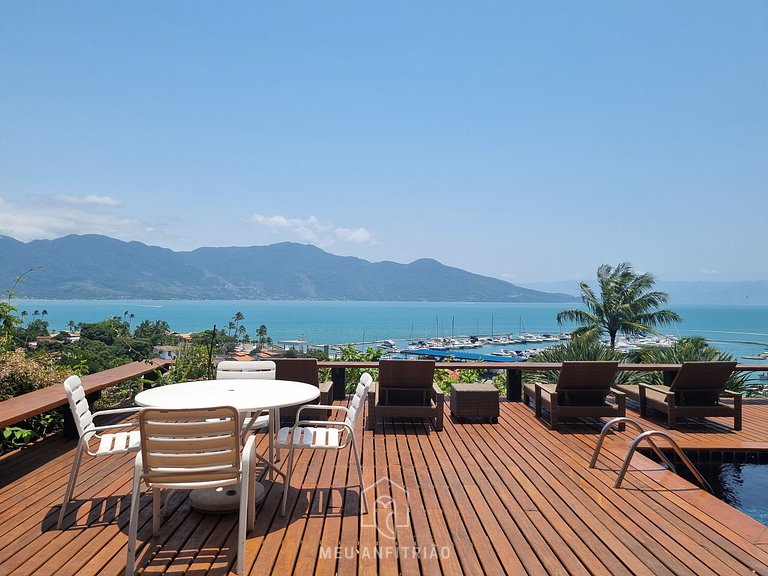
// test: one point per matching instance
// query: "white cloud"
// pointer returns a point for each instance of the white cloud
(45, 217)
(312, 230)
(356, 235)
(91, 199)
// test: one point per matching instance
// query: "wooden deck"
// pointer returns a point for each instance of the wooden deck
(476, 498)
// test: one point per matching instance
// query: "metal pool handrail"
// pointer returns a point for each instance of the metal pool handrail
(625, 420)
(647, 435)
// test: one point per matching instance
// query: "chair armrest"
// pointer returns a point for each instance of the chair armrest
(732, 394)
(113, 426)
(111, 413)
(326, 389)
(539, 388)
(320, 424)
(437, 391)
(116, 411)
(620, 399)
(327, 407)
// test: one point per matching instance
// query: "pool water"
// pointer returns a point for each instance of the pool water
(738, 478)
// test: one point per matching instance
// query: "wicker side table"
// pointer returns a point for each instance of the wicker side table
(477, 399)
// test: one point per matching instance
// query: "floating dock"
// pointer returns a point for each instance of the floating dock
(458, 355)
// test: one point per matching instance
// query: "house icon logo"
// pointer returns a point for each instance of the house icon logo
(391, 498)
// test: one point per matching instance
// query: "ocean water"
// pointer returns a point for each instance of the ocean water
(740, 330)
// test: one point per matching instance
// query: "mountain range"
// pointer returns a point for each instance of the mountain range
(100, 267)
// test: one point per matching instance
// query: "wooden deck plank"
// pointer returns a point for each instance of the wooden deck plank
(625, 522)
(512, 497)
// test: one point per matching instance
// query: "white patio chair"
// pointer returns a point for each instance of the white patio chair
(252, 369)
(264, 369)
(109, 443)
(188, 449)
(326, 434)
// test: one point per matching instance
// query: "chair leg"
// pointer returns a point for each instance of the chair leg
(243, 518)
(364, 502)
(134, 520)
(249, 467)
(288, 474)
(71, 484)
(370, 419)
(155, 511)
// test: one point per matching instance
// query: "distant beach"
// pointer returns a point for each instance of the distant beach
(739, 330)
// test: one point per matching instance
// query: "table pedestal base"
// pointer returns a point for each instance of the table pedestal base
(223, 500)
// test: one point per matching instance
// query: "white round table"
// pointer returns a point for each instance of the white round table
(245, 394)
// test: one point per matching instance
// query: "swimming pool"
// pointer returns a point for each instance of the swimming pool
(738, 478)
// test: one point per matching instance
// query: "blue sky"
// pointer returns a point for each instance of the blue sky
(528, 141)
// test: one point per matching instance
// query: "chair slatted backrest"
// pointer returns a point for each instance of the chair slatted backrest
(297, 370)
(258, 369)
(405, 382)
(701, 383)
(355, 407)
(190, 446)
(78, 404)
(585, 383)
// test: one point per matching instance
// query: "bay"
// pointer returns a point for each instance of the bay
(737, 329)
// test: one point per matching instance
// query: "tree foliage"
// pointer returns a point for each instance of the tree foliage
(694, 349)
(579, 348)
(350, 353)
(626, 304)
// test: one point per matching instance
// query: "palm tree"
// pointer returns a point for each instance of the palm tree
(238, 317)
(626, 305)
(262, 335)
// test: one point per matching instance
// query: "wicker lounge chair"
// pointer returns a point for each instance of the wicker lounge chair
(406, 389)
(696, 391)
(581, 391)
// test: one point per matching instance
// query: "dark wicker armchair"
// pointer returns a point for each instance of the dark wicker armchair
(697, 391)
(406, 389)
(581, 391)
(302, 370)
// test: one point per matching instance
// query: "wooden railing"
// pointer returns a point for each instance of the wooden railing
(514, 372)
(31, 404)
(19, 408)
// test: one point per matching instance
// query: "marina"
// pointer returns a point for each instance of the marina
(739, 330)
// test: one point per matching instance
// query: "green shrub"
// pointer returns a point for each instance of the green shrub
(349, 353)
(21, 373)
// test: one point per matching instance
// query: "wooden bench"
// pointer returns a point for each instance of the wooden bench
(19, 408)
